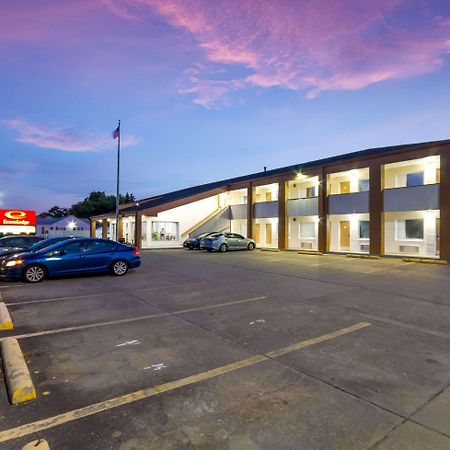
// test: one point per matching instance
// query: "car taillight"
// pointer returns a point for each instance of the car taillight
(136, 252)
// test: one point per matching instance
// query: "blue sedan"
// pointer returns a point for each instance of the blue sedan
(76, 256)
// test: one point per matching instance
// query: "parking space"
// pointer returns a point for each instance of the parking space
(242, 350)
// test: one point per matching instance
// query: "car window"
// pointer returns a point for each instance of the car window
(13, 242)
(103, 246)
(75, 247)
(238, 236)
(229, 235)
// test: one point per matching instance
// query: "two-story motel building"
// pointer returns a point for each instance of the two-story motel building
(380, 201)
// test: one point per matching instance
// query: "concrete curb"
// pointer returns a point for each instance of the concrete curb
(426, 261)
(306, 252)
(268, 249)
(39, 444)
(18, 379)
(5, 318)
(354, 255)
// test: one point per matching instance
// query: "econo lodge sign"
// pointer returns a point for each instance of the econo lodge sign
(17, 217)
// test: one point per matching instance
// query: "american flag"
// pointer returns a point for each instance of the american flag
(116, 132)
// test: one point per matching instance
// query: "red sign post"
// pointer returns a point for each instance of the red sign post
(15, 217)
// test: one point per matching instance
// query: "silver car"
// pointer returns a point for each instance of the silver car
(223, 242)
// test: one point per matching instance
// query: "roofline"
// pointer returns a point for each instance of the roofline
(139, 205)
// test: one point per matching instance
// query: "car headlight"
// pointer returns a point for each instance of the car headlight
(14, 262)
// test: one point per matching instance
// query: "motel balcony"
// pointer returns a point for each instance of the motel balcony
(351, 203)
(413, 198)
(299, 207)
(265, 210)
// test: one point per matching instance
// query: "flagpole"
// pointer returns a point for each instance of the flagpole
(117, 190)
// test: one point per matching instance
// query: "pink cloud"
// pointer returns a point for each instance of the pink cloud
(313, 46)
(67, 139)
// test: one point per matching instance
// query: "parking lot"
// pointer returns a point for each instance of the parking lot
(242, 350)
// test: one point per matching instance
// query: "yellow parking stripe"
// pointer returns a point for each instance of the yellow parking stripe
(70, 416)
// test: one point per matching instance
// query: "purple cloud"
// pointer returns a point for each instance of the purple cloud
(66, 139)
(312, 46)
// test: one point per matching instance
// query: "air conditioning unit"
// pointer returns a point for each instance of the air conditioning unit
(365, 247)
(409, 249)
(306, 245)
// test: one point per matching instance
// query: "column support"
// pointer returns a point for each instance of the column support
(323, 212)
(104, 229)
(444, 199)
(282, 216)
(138, 229)
(250, 201)
(376, 215)
(120, 227)
(93, 227)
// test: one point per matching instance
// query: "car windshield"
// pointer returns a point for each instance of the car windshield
(45, 243)
(216, 235)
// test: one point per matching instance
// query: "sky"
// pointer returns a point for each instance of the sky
(208, 89)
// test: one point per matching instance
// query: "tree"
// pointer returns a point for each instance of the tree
(57, 212)
(97, 203)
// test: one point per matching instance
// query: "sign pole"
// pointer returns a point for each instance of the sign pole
(117, 190)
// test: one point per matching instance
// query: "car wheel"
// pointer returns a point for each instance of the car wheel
(119, 268)
(34, 273)
(223, 248)
(251, 246)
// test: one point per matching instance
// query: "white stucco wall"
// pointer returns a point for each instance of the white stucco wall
(239, 226)
(262, 233)
(355, 241)
(428, 165)
(260, 192)
(297, 188)
(426, 246)
(353, 176)
(297, 242)
(186, 216)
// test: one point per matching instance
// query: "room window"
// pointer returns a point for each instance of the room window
(364, 229)
(410, 229)
(308, 230)
(414, 179)
(364, 185)
(164, 231)
(311, 192)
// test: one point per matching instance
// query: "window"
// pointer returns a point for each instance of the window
(364, 229)
(311, 192)
(308, 230)
(268, 196)
(364, 185)
(103, 246)
(164, 231)
(410, 229)
(414, 179)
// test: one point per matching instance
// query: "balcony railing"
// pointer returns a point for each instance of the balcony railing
(353, 203)
(265, 210)
(414, 198)
(238, 211)
(303, 207)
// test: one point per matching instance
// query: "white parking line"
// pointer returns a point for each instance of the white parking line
(133, 319)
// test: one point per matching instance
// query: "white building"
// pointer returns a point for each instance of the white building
(64, 226)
